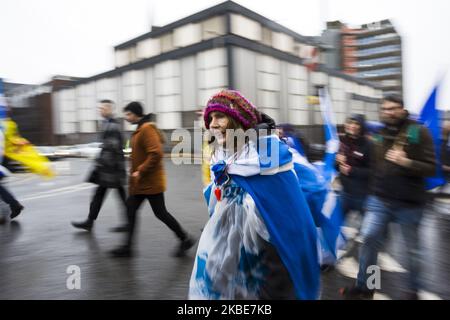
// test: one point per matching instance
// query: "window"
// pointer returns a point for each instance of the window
(378, 50)
(380, 72)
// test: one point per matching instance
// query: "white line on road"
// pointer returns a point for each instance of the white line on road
(20, 180)
(389, 264)
(425, 295)
(349, 267)
(60, 191)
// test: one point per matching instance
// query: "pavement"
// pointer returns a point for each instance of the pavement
(40, 250)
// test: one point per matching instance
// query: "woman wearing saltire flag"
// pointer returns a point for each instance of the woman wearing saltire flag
(260, 241)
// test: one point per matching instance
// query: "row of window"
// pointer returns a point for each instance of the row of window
(380, 72)
(377, 50)
(196, 32)
(371, 62)
(377, 38)
(390, 83)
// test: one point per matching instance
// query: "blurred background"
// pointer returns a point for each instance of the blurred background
(59, 58)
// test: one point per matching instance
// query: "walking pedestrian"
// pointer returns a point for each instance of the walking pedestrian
(148, 180)
(404, 155)
(109, 169)
(260, 241)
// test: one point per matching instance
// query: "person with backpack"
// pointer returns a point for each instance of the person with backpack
(403, 156)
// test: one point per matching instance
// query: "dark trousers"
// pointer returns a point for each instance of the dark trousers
(7, 197)
(353, 202)
(99, 196)
(159, 209)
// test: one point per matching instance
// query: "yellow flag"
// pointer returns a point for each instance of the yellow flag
(206, 171)
(22, 151)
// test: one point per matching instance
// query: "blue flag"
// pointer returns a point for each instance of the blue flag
(430, 118)
(325, 207)
(2, 104)
(3, 171)
(286, 214)
(331, 136)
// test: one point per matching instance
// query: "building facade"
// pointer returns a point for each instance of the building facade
(372, 52)
(174, 69)
(31, 107)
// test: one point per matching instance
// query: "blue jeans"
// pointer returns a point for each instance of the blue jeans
(379, 213)
(353, 202)
(6, 196)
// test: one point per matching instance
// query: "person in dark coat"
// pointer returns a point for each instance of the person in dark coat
(109, 171)
(353, 162)
(445, 152)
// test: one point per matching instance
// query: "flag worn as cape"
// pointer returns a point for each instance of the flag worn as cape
(324, 204)
(286, 215)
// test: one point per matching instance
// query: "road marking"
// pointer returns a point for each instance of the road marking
(71, 187)
(22, 180)
(62, 167)
(381, 296)
(425, 295)
(389, 264)
(349, 268)
(349, 232)
(58, 192)
(47, 184)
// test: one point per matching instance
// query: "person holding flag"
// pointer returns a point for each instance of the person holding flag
(18, 148)
(21, 150)
(7, 197)
(260, 241)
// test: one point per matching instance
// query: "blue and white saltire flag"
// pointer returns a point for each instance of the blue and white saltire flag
(374, 127)
(331, 135)
(430, 117)
(325, 206)
(255, 195)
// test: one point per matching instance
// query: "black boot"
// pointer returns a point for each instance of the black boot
(16, 209)
(123, 228)
(184, 246)
(85, 225)
(124, 251)
(356, 293)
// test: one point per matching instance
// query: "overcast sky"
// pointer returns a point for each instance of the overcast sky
(41, 38)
